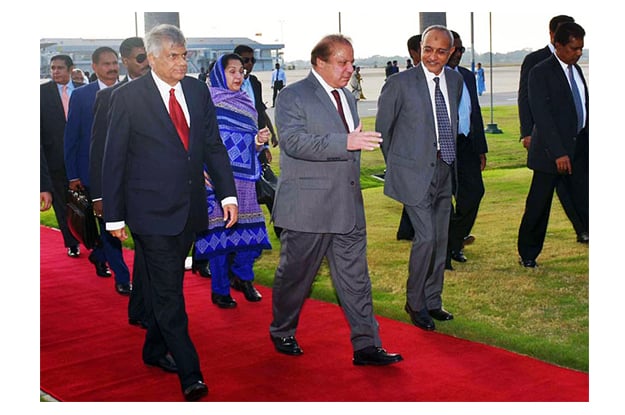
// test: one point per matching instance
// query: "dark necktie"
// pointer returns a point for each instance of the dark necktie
(577, 100)
(445, 136)
(339, 106)
(177, 117)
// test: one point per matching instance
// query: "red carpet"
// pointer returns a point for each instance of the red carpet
(90, 353)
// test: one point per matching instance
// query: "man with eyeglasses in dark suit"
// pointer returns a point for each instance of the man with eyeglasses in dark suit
(135, 60)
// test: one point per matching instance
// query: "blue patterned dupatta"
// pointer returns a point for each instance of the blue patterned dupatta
(236, 117)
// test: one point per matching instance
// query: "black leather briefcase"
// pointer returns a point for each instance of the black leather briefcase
(80, 218)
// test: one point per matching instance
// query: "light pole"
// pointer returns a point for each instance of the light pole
(472, 46)
(492, 127)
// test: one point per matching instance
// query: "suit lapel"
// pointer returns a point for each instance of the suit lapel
(154, 104)
(562, 78)
(352, 106)
(194, 108)
(425, 96)
(55, 98)
(452, 94)
(326, 102)
(581, 75)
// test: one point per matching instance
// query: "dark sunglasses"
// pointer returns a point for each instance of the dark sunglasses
(247, 60)
(461, 49)
(141, 57)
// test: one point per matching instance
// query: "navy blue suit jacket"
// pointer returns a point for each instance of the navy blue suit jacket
(149, 180)
(98, 138)
(78, 132)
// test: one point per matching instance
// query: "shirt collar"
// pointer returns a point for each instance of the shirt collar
(323, 83)
(162, 85)
(430, 76)
(102, 85)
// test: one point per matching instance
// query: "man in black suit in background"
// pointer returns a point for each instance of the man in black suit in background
(52, 120)
(558, 152)
(162, 131)
(45, 183)
(471, 149)
(135, 60)
(527, 121)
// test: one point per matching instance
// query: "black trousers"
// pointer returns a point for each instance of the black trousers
(566, 200)
(59, 203)
(469, 190)
(538, 207)
(162, 258)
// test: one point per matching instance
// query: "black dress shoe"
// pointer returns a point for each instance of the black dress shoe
(247, 288)
(123, 289)
(287, 345)
(448, 265)
(583, 238)
(195, 391)
(420, 319)
(468, 240)
(137, 322)
(441, 314)
(73, 251)
(375, 356)
(223, 301)
(201, 267)
(528, 263)
(458, 256)
(166, 363)
(101, 269)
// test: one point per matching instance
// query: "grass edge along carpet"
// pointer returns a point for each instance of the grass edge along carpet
(89, 352)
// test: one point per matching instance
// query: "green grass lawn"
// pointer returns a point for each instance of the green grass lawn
(541, 312)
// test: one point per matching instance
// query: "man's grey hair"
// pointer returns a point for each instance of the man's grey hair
(439, 28)
(160, 34)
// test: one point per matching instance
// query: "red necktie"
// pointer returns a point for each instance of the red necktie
(65, 100)
(177, 117)
(339, 105)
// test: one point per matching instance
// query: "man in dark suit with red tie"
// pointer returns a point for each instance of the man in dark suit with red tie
(52, 119)
(162, 131)
(558, 152)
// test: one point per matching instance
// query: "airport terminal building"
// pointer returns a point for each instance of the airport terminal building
(202, 51)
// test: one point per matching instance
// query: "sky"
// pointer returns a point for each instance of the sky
(373, 28)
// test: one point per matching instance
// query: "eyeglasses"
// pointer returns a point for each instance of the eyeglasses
(140, 58)
(427, 50)
(460, 49)
(247, 60)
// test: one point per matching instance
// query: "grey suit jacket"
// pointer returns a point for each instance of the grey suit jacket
(406, 121)
(319, 185)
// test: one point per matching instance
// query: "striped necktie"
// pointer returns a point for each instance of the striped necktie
(445, 136)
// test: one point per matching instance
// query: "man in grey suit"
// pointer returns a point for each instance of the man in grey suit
(418, 118)
(319, 203)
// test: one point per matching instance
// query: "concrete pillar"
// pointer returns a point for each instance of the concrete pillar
(152, 19)
(429, 18)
